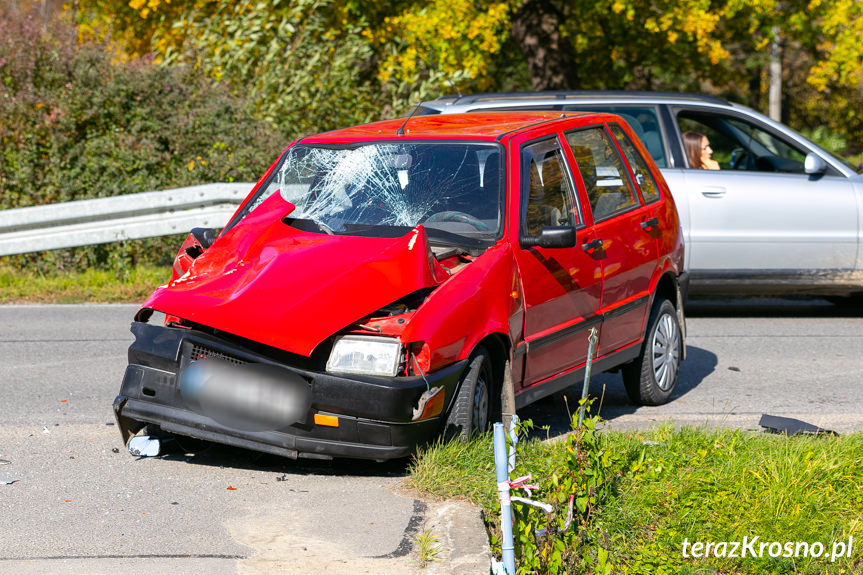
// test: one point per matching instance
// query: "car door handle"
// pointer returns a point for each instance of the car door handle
(592, 246)
(713, 191)
(650, 224)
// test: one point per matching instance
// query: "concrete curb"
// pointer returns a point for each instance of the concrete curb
(461, 537)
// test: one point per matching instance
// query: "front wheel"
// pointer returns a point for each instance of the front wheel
(650, 379)
(472, 408)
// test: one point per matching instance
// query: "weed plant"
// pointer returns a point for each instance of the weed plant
(639, 496)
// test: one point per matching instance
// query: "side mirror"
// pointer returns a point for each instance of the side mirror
(198, 240)
(814, 165)
(205, 236)
(551, 237)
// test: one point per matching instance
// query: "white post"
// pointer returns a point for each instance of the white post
(501, 462)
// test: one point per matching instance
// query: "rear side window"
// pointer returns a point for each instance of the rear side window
(643, 177)
(643, 121)
(547, 196)
(605, 176)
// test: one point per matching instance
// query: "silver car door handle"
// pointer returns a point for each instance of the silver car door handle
(713, 191)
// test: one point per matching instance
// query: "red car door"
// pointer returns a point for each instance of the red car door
(628, 250)
(562, 287)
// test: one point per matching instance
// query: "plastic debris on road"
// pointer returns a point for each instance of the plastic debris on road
(7, 481)
(790, 426)
(5, 462)
(144, 446)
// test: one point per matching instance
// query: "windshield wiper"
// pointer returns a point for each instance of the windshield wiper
(471, 246)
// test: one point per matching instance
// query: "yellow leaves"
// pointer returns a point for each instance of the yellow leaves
(618, 7)
(448, 37)
(841, 23)
(192, 164)
(145, 7)
(716, 52)
(691, 21)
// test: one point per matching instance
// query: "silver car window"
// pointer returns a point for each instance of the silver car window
(744, 146)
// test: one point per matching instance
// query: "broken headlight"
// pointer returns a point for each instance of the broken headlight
(365, 354)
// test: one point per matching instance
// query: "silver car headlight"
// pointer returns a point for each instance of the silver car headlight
(365, 354)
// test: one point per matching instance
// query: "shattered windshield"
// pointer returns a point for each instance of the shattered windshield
(452, 187)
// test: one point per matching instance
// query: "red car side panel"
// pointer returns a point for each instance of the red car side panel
(482, 299)
(630, 262)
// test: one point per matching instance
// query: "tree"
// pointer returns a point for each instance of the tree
(302, 60)
(550, 58)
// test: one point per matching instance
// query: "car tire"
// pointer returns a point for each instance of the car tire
(471, 410)
(651, 378)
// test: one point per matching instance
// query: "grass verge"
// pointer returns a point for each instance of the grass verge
(648, 497)
(89, 285)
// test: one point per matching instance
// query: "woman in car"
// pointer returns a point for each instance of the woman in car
(698, 151)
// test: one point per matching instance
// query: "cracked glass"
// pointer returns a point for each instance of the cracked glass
(383, 188)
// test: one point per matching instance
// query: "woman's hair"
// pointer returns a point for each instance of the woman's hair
(692, 146)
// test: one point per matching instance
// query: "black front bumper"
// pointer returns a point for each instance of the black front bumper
(373, 414)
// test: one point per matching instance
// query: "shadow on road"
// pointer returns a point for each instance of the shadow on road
(217, 455)
(552, 416)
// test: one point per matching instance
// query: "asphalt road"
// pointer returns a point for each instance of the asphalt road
(81, 504)
(799, 358)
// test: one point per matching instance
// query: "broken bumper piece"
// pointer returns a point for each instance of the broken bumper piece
(338, 416)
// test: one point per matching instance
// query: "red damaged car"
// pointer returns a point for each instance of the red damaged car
(387, 283)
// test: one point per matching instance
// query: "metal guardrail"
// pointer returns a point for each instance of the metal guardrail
(104, 220)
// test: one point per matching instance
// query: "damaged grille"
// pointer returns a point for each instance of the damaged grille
(202, 351)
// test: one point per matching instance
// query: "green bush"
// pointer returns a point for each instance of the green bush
(75, 123)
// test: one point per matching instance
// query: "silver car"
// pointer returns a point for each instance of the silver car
(781, 215)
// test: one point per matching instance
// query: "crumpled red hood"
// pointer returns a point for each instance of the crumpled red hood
(266, 281)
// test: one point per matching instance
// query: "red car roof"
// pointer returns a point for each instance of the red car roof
(476, 126)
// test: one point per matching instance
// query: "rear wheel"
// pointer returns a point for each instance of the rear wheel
(473, 407)
(650, 379)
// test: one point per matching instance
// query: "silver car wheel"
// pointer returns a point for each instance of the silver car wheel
(480, 401)
(666, 352)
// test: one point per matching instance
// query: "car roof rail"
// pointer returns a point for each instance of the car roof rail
(572, 95)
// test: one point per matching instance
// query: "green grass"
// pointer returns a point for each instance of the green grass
(427, 547)
(90, 285)
(676, 485)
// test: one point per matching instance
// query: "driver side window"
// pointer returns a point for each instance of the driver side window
(547, 198)
(741, 145)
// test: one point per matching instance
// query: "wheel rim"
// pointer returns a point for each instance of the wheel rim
(666, 352)
(480, 401)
